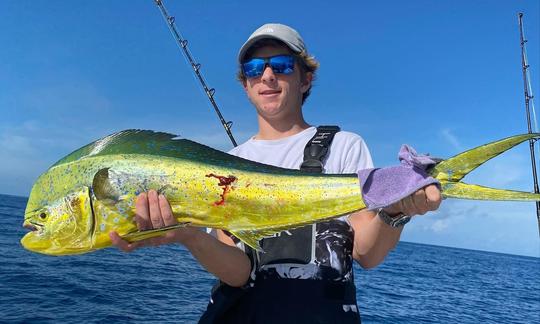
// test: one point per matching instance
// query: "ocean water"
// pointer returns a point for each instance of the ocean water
(416, 284)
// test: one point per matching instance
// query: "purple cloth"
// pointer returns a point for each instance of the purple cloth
(381, 187)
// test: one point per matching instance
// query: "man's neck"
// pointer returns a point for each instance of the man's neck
(277, 129)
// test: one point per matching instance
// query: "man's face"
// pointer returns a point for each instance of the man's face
(274, 95)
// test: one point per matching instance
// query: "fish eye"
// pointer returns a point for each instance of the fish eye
(42, 215)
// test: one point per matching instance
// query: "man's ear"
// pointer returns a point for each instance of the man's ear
(306, 82)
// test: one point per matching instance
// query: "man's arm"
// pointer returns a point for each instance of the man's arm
(223, 259)
(374, 239)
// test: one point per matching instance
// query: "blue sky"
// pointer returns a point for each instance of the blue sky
(442, 76)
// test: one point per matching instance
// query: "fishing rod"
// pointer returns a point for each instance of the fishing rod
(528, 98)
(182, 43)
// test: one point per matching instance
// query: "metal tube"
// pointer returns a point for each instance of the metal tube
(528, 97)
(182, 43)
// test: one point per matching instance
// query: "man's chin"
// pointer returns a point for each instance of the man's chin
(270, 110)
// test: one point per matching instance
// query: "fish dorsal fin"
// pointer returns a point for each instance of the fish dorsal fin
(134, 141)
(131, 141)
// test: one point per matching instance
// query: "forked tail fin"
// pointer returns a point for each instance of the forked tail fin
(450, 172)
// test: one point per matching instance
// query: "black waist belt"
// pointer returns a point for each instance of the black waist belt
(306, 288)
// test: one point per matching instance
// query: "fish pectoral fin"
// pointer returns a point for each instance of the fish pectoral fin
(457, 167)
(476, 192)
(102, 187)
(143, 235)
(105, 186)
(251, 238)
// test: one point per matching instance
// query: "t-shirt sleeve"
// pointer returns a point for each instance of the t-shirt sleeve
(233, 151)
(357, 157)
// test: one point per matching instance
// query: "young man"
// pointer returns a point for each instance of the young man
(305, 275)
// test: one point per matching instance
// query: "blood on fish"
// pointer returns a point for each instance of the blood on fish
(224, 182)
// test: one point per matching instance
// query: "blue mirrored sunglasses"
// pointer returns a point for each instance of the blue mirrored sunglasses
(283, 64)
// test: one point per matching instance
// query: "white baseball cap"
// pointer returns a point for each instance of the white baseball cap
(281, 32)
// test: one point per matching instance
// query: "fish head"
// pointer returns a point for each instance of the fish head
(62, 226)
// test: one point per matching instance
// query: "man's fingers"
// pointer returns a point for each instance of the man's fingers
(152, 211)
(433, 197)
(142, 213)
(121, 243)
(166, 211)
(155, 210)
(407, 206)
(420, 202)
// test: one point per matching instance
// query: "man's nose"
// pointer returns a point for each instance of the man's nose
(268, 74)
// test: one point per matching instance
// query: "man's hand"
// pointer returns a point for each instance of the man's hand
(153, 211)
(426, 199)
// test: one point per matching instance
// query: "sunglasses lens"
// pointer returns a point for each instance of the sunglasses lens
(283, 64)
(253, 67)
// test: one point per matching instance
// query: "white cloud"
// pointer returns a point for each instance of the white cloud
(29, 148)
(12, 144)
(510, 170)
(452, 139)
(439, 225)
(508, 227)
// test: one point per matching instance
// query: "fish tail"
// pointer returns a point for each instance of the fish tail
(450, 172)
(472, 191)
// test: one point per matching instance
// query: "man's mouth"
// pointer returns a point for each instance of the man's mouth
(270, 93)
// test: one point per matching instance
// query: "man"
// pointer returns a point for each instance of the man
(305, 275)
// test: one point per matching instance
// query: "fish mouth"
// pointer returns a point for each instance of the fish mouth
(33, 226)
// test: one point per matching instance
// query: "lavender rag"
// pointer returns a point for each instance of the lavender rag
(381, 187)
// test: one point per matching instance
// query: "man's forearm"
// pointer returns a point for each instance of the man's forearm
(373, 238)
(230, 264)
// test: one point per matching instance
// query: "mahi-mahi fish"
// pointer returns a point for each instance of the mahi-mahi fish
(80, 199)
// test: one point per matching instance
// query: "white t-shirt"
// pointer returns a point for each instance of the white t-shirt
(331, 245)
(347, 154)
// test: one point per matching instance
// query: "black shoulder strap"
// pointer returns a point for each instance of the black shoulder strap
(223, 296)
(317, 148)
